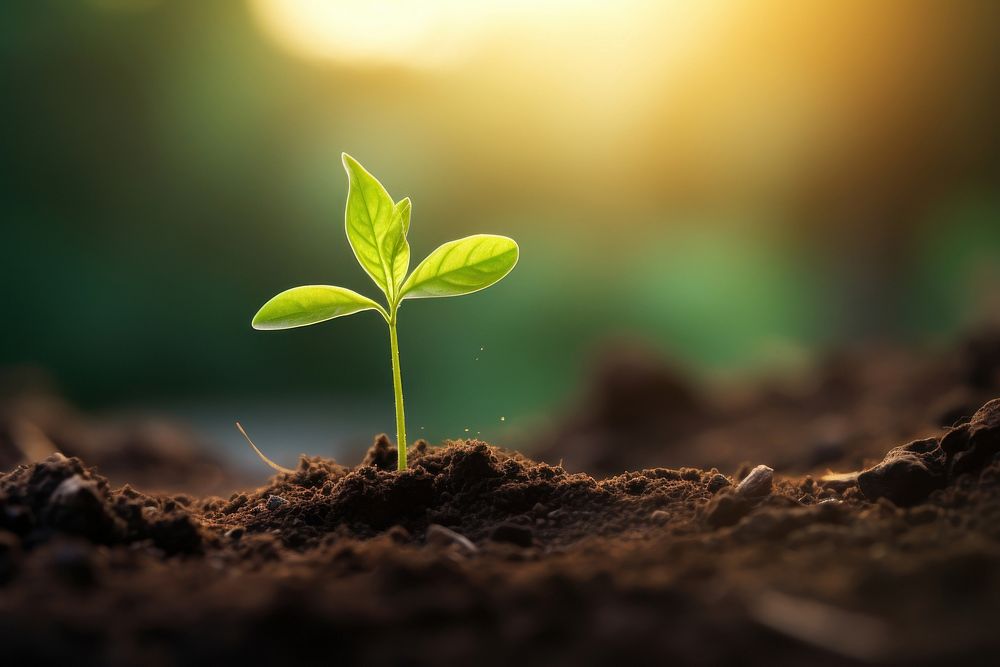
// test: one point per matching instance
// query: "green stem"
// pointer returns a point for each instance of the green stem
(397, 387)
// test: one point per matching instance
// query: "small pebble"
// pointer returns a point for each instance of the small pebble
(717, 482)
(757, 483)
(660, 516)
(442, 536)
(274, 502)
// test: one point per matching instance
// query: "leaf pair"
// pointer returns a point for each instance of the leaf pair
(377, 228)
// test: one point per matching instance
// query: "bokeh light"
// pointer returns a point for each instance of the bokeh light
(740, 184)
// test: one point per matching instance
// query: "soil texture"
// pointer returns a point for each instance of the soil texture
(638, 411)
(479, 555)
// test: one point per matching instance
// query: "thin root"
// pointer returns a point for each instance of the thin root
(261, 454)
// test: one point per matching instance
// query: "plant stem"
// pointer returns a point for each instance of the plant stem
(397, 387)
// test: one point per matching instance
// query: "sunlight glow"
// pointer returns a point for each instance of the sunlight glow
(428, 33)
(415, 34)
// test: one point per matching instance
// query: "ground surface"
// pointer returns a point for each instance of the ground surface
(638, 411)
(482, 556)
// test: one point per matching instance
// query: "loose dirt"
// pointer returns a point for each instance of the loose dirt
(478, 555)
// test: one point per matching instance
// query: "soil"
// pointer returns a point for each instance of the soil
(638, 410)
(154, 454)
(478, 555)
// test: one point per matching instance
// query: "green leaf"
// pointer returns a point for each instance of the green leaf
(310, 304)
(397, 248)
(462, 267)
(403, 207)
(376, 226)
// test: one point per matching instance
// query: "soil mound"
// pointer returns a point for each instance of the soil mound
(469, 487)
(59, 496)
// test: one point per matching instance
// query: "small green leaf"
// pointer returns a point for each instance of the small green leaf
(462, 267)
(310, 304)
(396, 247)
(374, 225)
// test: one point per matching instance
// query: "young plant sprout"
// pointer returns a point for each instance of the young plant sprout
(376, 229)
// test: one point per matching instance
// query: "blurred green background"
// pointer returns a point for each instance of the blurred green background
(741, 184)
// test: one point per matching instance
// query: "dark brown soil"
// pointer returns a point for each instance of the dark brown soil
(478, 555)
(153, 454)
(639, 411)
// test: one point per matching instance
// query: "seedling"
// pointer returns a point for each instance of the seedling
(376, 229)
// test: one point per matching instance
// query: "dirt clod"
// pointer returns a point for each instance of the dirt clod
(717, 482)
(726, 508)
(907, 475)
(274, 502)
(513, 534)
(973, 444)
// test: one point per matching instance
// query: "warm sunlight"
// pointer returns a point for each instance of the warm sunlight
(386, 31)
(435, 33)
